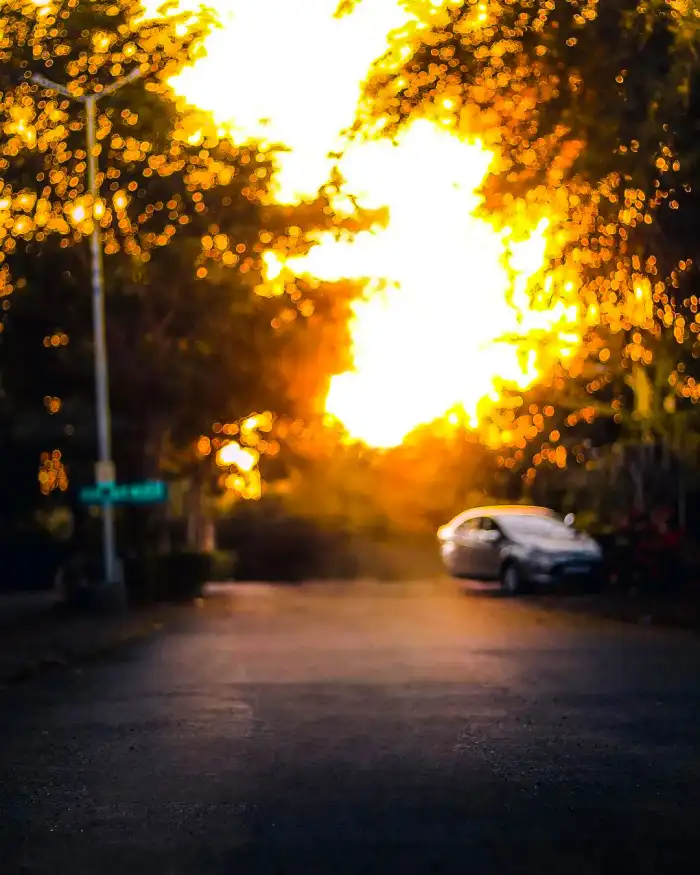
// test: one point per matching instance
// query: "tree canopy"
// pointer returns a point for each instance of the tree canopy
(605, 136)
(183, 227)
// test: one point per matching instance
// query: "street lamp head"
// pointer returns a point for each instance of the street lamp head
(134, 74)
(39, 79)
(52, 86)
(115, 86)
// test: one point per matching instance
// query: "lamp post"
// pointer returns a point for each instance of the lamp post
(104, 470)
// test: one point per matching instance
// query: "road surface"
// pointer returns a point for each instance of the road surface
(403, 728)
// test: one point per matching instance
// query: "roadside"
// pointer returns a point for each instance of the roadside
(55, 638)
(18, 606)
(680, 611)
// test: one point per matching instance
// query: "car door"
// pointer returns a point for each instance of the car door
(465, 548)
(490, 540)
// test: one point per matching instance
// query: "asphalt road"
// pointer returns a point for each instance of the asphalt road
(396, 728)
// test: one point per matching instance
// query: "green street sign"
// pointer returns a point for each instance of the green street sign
(146, 492)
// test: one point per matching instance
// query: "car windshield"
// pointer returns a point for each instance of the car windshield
(534, 525)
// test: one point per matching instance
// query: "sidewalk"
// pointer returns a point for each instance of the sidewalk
(54, 638)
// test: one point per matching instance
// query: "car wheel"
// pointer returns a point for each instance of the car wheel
(511, 580)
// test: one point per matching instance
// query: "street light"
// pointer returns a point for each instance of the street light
(104, 470)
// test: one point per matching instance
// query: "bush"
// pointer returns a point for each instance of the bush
(181, 576)
(171, 577)
(278, 547)
(30, 561)
(141, 579)
(223, 565)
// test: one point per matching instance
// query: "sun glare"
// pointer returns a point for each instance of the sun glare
(454, 308)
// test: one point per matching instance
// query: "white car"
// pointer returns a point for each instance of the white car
(523, 547)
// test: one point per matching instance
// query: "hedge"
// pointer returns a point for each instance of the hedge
(170, 577)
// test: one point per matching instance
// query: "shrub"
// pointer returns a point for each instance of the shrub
(30, 561)
(170, 577)
(181, 576)
(141, 579)
(223, 565)
(279, 547)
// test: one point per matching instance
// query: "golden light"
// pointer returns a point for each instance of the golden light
(232, 453)
(451, 315)
(203, 446)
(78, 214)
(101, 42)
(459, 304)
(22, 225)
(308, 70)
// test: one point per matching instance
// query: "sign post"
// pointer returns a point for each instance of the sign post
(105, 472)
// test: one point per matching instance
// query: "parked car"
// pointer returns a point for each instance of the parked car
(523, 547)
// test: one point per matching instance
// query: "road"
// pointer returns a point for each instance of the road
(401, 728)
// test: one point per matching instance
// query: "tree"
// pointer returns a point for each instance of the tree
(190, 341)
(600, 100)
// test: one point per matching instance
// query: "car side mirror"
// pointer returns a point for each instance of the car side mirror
(569, 519)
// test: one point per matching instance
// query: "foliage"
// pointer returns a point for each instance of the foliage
(173, 577)
(183, 227)
(200, 337)
(616, 127)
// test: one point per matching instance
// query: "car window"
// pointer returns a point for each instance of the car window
(536, 526)
(489, 525)
(470, 525)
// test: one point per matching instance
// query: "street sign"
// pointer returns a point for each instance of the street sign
(146, 492)
(105, 472)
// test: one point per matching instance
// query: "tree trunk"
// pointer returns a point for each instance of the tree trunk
(154, 444)
(194, 513)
